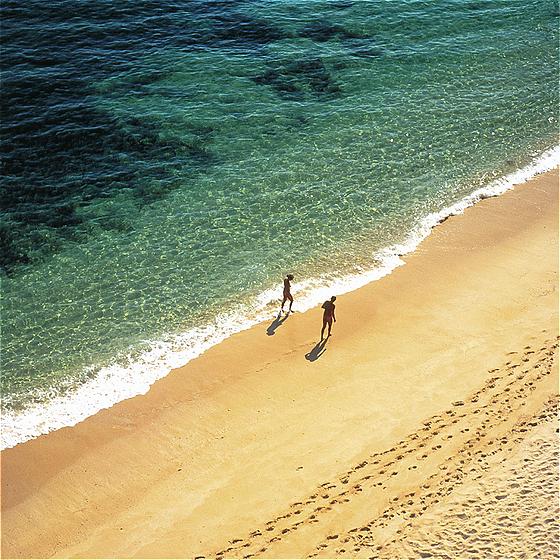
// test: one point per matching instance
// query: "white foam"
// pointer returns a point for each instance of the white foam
(115, 383)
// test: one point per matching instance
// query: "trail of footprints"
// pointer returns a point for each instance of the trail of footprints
(504, 392)
(363, 541)
(509, 512)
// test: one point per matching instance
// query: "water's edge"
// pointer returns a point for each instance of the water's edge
(115, 383)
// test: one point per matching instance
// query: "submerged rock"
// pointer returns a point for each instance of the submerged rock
(300, 79)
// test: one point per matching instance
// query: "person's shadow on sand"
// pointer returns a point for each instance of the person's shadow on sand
(317, 351)
(278, 322)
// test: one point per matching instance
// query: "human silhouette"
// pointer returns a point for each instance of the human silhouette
(287, 293)
(328, 315)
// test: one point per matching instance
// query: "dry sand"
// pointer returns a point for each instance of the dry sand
(425, 426)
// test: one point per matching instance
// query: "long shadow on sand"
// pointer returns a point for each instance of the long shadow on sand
(278, 322)
(317, 351)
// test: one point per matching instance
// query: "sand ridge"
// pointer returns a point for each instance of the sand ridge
(451, 448)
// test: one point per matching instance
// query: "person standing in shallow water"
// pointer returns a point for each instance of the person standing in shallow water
(287, 293)
(328, 315)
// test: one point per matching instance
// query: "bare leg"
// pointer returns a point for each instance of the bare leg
(291, 302)
(323, 329)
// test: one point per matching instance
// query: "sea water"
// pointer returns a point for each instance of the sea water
(165, 163)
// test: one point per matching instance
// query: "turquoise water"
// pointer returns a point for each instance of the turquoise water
(195, 152)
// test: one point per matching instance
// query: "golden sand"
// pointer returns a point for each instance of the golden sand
(424, 426)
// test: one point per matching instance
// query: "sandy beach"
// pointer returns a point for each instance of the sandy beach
(426, 426)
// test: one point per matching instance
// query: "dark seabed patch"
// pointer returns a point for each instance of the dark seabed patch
(82, 157)
(322, 31)
(300, 79)
(60, 152)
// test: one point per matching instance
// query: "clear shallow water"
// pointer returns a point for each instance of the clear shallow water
(166, 163)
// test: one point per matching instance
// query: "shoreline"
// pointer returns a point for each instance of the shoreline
(93, 396)
(254, 433)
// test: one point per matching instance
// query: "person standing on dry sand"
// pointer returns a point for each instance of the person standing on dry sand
(328, 315)
(287, 294)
